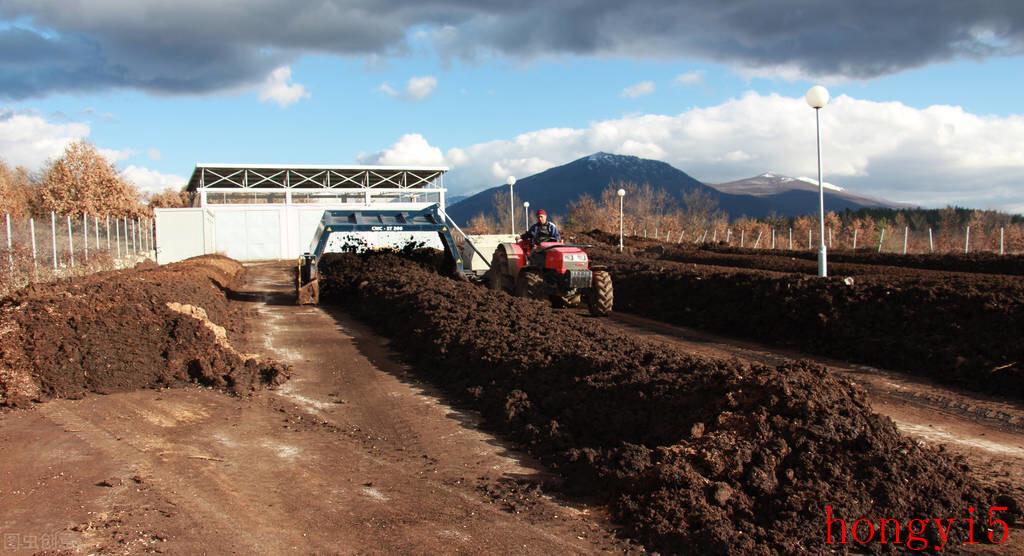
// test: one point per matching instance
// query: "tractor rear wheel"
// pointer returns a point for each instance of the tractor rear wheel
(496, 278)
(601, 296)
(530, 284)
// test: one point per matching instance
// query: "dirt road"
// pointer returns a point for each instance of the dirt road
(987, 431)
(351, 456)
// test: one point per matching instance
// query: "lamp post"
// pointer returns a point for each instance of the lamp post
(622, 195)
(511, 181)
(817, 98)
(526, 213)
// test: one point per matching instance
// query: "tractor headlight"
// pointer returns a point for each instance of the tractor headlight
(576, 257)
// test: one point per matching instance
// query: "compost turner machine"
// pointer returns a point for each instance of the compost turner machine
(558, 272)
(394, 222)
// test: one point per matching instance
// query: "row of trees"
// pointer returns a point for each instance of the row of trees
(696, 217)
(80, 181)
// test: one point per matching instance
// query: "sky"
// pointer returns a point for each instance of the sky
(926, 105)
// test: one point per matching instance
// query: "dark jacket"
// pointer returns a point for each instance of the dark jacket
(543, 232)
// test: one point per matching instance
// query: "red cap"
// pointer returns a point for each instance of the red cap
(540, 212)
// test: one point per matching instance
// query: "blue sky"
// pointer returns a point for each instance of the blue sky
(495, 110)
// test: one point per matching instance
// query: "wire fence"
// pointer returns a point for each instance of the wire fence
(48, 247)
(1002, 240)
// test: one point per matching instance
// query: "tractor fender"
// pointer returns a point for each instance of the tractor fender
(514, 256)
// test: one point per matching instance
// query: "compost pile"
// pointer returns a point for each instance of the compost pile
(125, 330)
(957, 328)
(691, 453)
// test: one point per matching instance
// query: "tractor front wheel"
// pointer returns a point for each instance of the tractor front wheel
(601, 296)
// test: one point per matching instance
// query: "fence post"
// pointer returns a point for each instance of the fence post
(830, 238)
(810, 239)
(773, 239)
(728, 235)
(85, 236)
(71, 242)
(906, 232)
(714, 236)
(758, 241)
(53, 237)
(1001, 251)
(931, 243)
(32, 228)
(10, 246)
(96, 232)
(117, 236)
(743, 234)
(108, 234)
(855, 239)
(645, 233)
(967, 240)
(791, 239)
(881, 239)
(681, 232)
(705, 236)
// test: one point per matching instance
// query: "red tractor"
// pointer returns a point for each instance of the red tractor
(554, 271)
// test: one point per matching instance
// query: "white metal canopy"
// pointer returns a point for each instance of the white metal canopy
(270, 177)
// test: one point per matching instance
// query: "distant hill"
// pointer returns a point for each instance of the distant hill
(796, 196)
(554, 189)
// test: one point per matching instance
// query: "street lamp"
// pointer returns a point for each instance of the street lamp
(622, 194)
(526, 213)
(817, 98)
(511, 181)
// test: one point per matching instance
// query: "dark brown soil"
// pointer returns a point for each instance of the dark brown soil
(147, 327)
(693, 454)
(957, 328)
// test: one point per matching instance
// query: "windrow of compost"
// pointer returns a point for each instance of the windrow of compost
(692, 454)
(125, 330)
(957, 328)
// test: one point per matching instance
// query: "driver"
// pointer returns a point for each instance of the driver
(542, 230)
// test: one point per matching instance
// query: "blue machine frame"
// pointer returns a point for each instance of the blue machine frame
(429, 219)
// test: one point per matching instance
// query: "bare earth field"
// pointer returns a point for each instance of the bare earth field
(358, 453)
(349, 456)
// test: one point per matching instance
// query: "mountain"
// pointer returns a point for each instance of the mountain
(555, 188)
(795, 196)
(757, 197)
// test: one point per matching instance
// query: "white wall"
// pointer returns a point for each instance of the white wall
(182, 233)
(245, 232)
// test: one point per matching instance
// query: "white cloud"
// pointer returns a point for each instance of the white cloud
(151, 181)
(417, 88)
(154, 154)
(695, 77)
(420, 88)
(411, 149)
(29, 140)
(116, 155)
(278, 88)
(931, 156)
(640, 89)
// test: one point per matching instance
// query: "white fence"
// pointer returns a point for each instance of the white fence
(884, 240)
(40, 248)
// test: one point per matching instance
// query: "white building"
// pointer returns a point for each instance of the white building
(263, 212)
